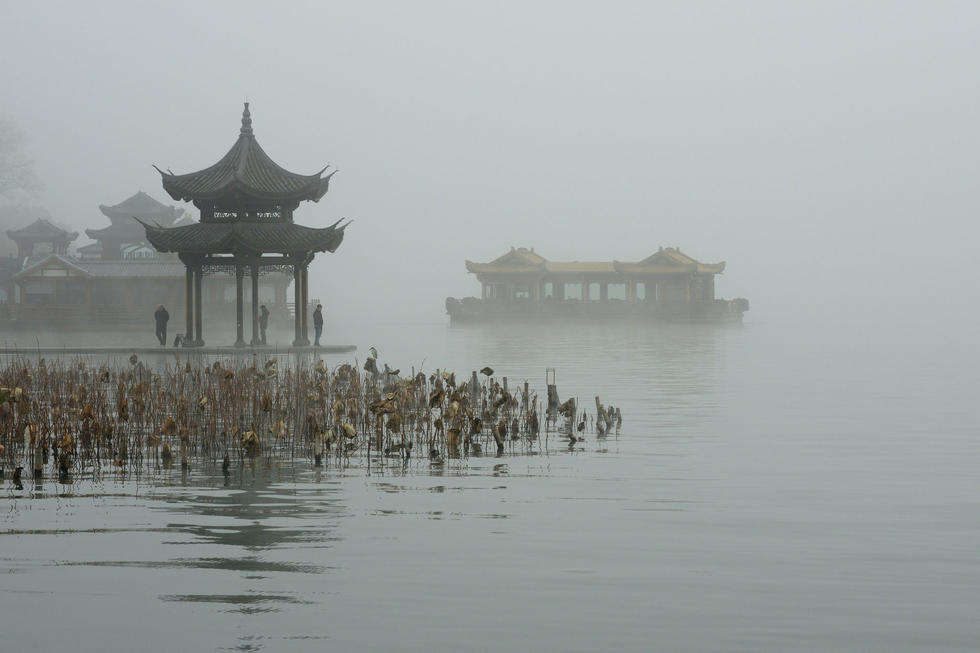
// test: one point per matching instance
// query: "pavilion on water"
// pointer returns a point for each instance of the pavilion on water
(246, 201)
(667, 284)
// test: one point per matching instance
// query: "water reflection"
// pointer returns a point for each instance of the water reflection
(271, 553)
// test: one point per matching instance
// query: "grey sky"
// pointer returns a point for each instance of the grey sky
(826, 150)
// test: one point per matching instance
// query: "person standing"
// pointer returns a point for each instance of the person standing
(317, 324)
(263, 322)
(161, 317)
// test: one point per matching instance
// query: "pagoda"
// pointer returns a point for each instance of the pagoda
(41, 232)
(246, 202)
(125, 230)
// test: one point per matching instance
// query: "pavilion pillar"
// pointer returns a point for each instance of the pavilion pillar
(188, 305)
(255, 305)
(198, 321)
(239, 300)
(604, 292)
(280, 290)
(297, 306)
(305, 276)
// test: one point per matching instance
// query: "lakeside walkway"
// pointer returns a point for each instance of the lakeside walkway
(205, 351)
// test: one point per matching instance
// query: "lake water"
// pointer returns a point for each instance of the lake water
(774, 487)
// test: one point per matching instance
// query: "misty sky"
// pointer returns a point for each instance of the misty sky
(827, 151)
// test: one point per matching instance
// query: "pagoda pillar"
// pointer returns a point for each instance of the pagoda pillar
(297, 306)
(305, 276)
(188, 305)
(239, 300)
(256, 340)
(198, 321)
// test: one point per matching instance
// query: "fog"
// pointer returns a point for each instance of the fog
(827, 151)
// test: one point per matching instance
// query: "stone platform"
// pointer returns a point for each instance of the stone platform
(178, 351)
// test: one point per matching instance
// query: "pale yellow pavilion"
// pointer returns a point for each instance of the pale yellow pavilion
(667, 276)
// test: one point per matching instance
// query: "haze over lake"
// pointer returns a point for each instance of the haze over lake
(805, 481)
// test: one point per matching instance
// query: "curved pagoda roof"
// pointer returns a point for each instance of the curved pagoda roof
(246, 170)
(141, 206)
(122, 231)
(42, 231)
(239, 237)
(669, 261)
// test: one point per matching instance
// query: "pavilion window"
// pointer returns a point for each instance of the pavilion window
(549, 290)
(594, 291)
(641, 291)
(573, 291)
(616, 291)
(522, 291)
(495, 290)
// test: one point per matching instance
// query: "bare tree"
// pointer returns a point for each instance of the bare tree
(16, 169)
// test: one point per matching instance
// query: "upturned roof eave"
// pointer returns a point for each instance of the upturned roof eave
(234, 238)
(312, 192)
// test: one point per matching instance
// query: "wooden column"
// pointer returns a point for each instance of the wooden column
(239, 312)
(198, 321)
(188, 305)
(280, 300)
(255, 305)
(305, 277)
(297, 305)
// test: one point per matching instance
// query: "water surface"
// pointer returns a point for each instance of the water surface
(767, 492)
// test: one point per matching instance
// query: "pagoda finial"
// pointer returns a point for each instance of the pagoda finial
(246, 122)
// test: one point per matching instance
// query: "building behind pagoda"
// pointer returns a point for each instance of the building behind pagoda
(117, 281)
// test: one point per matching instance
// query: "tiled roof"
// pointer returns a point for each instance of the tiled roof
(142, 206)
(41, 230)
(666, 261)
(246, 169)
(231, 237)
(62, 261)
(131, 269)
(130, 231)
(597, 267)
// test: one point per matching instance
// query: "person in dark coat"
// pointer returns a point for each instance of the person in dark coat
(263, 322)
(161, 317)
(317, 324)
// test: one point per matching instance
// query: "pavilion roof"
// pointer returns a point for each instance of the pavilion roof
(666, 261)
(42, 230)
(52, 260)
(141, 206)
(130, 269)
(234, 237)
(130, 231)
(246, 170)
(669, 260)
